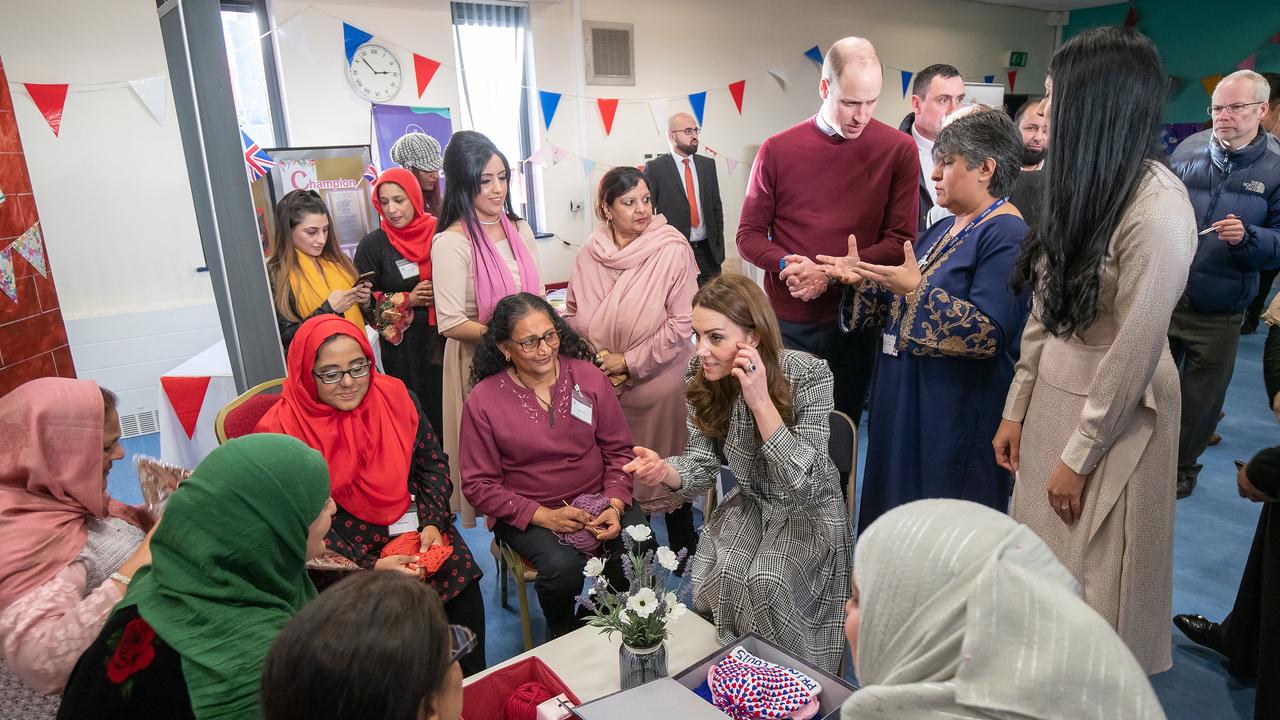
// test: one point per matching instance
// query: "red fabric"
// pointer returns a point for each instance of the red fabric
(410, 543)
(369, 449)
(413, 241)
(487, 697)
(876, 177)
(243, 419)
(51, 480)
(186, 395)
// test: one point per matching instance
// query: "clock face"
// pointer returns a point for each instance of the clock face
(375, 73)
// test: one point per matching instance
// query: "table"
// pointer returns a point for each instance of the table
(191, 396)
(587, 661)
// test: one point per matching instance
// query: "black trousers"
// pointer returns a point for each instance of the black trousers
(851, 357)
(1254, 312)
(560, 577)
(680, 533)
(707, 265)
(467, 610)
(1251, 631)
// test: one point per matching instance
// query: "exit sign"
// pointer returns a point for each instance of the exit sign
(1015, 59)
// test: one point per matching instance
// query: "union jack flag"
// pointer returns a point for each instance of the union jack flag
(255, 158)
(370, 173)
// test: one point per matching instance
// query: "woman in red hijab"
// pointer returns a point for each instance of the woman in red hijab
(399, 256)
(387, 472)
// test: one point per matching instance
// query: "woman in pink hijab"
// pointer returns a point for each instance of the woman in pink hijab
(630, 294)
(69, 549)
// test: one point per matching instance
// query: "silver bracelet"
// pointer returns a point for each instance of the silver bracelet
(122, 579)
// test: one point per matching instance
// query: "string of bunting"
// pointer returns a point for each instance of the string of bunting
(30, 245)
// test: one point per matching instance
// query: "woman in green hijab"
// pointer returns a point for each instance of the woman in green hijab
(228, 571)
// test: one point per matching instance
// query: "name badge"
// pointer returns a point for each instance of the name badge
(407, 522)
(889, 345)
(580, 407)
(408, 270)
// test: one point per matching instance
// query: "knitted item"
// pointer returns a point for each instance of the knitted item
(523, 703)
(109, 543)
(585, 541)
(744, 686)
(409, 544)
(417, 151)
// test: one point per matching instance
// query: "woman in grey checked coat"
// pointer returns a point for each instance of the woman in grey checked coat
(775, 557)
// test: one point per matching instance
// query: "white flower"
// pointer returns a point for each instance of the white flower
(639, 533)
(644, 602)
(667, 558)
(594, 567)
(675, 612)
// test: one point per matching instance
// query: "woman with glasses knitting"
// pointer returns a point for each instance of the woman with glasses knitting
(544, 442)
(485, 253)
(310, 275)
(389, 476)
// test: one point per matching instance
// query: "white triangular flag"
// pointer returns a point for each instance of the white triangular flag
(151, 92)
(587, 166)
(536, 158)
(730, 165)
(658, 108)
(296, 37)
(780, 74)
(557, 154)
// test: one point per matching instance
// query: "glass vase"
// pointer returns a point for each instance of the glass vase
(637, 666)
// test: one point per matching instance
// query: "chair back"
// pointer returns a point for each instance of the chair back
(843, 447)
(241, 416)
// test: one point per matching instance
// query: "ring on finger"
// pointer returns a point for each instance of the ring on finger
(751, 367)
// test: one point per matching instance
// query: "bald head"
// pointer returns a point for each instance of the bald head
(854, 52)
(682, 131)
(850, 85)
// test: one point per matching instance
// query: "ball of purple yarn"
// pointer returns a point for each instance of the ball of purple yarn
(585, 541)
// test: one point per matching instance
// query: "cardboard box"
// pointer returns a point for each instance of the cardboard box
(674, 697)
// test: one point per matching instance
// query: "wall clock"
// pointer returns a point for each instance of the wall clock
(375, 73)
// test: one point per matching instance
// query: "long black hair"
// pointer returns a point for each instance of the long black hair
(1108, 92)
(375, 646)
(489, 359)
(464, 160)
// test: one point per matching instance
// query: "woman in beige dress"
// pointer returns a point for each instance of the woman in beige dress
(485, 253)
(1090, 425)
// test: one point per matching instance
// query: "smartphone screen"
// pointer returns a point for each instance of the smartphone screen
(365, 278)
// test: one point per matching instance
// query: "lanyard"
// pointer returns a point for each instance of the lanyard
(948, 240)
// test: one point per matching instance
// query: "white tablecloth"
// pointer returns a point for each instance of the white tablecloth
(176, 446)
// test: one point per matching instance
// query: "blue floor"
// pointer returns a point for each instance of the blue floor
(1212, 537)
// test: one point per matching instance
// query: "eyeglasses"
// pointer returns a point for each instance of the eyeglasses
(1234, 108)
(550, 337)
(461, 641)
(688, 132)
(333, 377)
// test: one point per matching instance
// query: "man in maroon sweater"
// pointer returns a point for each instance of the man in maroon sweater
(837, 175)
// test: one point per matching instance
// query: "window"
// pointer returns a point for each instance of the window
(492, 39)
(253, 71)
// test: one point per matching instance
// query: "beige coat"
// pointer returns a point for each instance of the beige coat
(1106, 402)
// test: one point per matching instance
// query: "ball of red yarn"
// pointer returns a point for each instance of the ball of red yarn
(523, 703)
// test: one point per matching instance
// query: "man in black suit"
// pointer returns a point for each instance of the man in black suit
(674, 178)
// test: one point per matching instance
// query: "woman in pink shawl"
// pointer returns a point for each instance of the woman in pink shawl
(69, 549)
(485, 253)
(630, 294)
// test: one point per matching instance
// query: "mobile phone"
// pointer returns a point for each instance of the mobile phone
(1240, 464)
(365, 278)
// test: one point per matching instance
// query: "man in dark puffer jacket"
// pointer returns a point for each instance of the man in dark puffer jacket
(1234, 184)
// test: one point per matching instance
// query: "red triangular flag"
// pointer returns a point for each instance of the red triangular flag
(1013, 77)
(1248, 63)
(50, 99)
(186, 396)
(424, 68)
(608, 107)
(1131, 18)
(735, 89)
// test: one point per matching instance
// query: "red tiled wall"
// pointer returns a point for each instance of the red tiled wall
(33, 340)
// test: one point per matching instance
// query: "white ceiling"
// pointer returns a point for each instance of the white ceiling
(1051, 4)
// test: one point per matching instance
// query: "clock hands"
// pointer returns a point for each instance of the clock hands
(375, 72)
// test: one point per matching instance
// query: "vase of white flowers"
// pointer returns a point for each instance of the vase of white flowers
(644, 613)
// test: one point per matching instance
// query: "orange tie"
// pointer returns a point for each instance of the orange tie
(692, 193)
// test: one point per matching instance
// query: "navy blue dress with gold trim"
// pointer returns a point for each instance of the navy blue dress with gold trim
(947, 356)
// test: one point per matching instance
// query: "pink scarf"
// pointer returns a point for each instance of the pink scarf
(50, 480)
(493, 280)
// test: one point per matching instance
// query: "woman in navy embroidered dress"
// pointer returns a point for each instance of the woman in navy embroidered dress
(951, 326)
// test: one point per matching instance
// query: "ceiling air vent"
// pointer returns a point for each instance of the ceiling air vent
(610, 53)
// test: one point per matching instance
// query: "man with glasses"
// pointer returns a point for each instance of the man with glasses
(684, 188)
(1234, 183)
(936, 91)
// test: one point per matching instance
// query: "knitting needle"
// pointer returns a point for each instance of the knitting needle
(1207, 230)
(594, 531)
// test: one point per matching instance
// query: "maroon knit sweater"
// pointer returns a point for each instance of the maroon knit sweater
(809, 191)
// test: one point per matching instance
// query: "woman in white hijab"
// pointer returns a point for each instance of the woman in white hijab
(960, 612)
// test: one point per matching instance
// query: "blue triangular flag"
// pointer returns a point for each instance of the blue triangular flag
(699, 103)
(814, 54)
(352, 38)
(588, 166)
(906, 81)
(988, 79)
(550, 101)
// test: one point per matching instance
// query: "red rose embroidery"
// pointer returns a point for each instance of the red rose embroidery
(134, 652)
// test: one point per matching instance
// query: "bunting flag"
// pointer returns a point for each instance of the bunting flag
(736, 89)
(780, 74)
(815, 55)
(557, 154)
(352, 38)
(186, 395)
(296, 37)
(151, 92)
(256, 159)
(1131, 17)
(536, 158)
(1210, 82)
(1276, 38)
(49, 99)
(1175, 85)
(587, 166)
(370, 173)
(1248, 63)
(989, 79)
(424, 68)
(1013, 78)
(906, 81)
(658, 109)
(730, 165)
(550, 101)
(31, 246)
(698, 101)
(8, 283)
(608, 108)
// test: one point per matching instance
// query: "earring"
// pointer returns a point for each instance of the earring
(506, 357)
